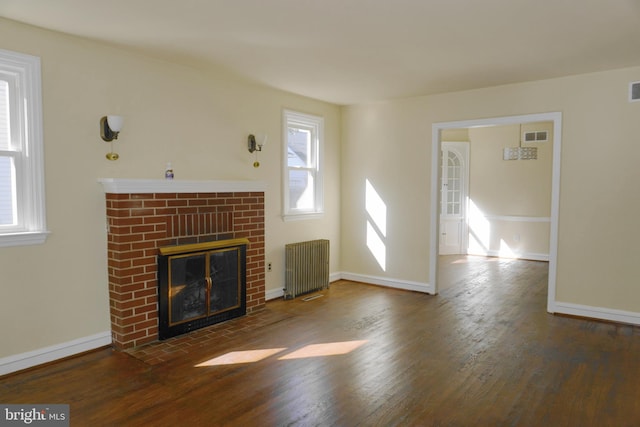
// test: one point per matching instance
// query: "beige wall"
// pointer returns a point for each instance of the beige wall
(57, 292)
(515, 187)
(500, 189)
(598, 235)
(455, 135)
(388, 144)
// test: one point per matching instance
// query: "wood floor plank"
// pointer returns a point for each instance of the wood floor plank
(482, 352)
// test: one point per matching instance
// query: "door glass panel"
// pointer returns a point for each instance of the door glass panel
(453, 193)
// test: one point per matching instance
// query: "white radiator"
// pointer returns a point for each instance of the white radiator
(306, 267)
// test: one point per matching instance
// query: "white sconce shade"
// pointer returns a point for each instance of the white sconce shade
(110, 127)
(115, 123)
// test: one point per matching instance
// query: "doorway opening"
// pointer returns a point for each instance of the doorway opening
(476, 242)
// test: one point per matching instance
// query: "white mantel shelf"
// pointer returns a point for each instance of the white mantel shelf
(145, 186)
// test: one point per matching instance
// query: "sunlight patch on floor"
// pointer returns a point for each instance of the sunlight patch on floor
(235, 357)
(312, 350)
(468, 259)
(328, 349)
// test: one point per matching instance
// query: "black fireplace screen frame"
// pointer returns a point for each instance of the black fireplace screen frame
(190, 280)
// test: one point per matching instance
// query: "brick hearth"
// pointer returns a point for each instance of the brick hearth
(143, 215)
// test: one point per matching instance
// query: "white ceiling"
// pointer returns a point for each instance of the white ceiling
(355, 51)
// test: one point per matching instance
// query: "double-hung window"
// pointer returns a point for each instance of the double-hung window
(22, 207)
(303, 139)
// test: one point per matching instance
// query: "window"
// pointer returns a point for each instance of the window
(22, 208)
(303, 137)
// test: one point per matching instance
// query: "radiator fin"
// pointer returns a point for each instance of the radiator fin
(306, 267)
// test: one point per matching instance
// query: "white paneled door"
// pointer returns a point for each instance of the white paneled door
(454, 193)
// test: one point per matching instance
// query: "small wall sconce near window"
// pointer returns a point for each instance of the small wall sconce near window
(255, 144)
(110, 127)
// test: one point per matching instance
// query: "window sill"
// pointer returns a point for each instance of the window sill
(23, 238)
(302, 216)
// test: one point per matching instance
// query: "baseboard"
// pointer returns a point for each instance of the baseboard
(389, 282)
(527, 255)
(279, 293)
(334, 276)
(599, 313)
(381, 281)
(49, 354)
(274, 294)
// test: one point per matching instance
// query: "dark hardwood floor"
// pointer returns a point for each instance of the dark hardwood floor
(482, 353)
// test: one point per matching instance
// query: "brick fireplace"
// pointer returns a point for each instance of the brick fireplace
(144, 215)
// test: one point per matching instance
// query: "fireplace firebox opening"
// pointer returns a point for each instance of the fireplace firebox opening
(201, 284)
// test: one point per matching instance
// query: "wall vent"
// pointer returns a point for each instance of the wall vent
(634, 91)
(535, 136)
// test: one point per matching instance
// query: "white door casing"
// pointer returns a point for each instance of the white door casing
(437, 128)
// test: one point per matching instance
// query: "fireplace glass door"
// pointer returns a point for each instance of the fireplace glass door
(225, 289)
(197, 289)
(188, 287)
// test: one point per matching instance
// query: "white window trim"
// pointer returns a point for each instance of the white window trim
(316, 122)
(302, 216)
(32, 228)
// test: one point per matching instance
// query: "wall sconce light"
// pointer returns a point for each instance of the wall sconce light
(110, 127)
(255, 144)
